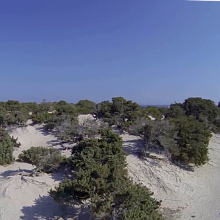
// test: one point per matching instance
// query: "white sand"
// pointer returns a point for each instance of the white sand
(31, 136)
(195, 195)
(27, 198)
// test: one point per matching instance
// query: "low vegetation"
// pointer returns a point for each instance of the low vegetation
(45, 159)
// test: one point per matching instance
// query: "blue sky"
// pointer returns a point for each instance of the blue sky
(148, 51)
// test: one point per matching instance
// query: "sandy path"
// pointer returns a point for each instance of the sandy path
(31, 136)
(191, 195)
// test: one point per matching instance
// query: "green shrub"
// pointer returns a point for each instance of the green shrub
(85, 107)
(183, 139)
(100, 175)
(192, 140)
(153, 111)
(6, 148)
(45, 159)
(119, 112)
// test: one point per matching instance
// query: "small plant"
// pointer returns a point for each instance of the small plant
(45, 159)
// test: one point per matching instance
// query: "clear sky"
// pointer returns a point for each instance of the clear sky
(148, 51)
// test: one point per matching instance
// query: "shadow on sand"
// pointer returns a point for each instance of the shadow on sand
(44, 131)
(46, 208)
(8, 173)
(134, 147)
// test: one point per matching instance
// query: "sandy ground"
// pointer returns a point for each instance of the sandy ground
(185, 195)
(28, 198)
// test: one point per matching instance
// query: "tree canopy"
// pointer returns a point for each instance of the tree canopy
(119, 112)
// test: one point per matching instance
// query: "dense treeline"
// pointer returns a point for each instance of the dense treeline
(183, 133)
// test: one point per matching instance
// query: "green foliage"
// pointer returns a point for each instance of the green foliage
(45, 106)
(43, 117)
(64, 108)
(101, 177)
(30, 106)
(85, 107)
(120, 112)
(185, 132)
(12, 113)
(192, 139)
(135, 202)
(103, 110)
(175, 111)
(6, 148)
(183, 139)
(203, 110)
(153, 111)
(45, 159)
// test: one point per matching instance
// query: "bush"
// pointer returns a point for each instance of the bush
(182, 139)
(119, 112)
(42, 118)
(153, 111)
(6, 148)
(134, 201)
(85, 107)
(101, 177)
(45, 159)
(192, 140)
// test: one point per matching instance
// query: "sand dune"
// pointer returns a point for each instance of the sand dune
(184, 194)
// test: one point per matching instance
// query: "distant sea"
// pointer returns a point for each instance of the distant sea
(159, 106)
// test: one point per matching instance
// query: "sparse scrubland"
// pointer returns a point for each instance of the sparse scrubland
(97, 172)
